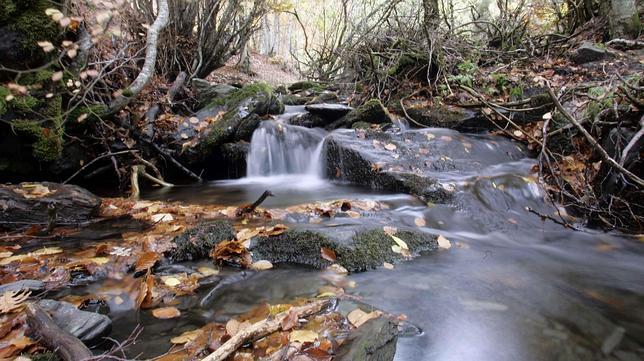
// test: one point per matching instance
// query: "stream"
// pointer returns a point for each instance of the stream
(511, 287)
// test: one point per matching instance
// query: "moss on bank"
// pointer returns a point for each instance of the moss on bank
(196, 243)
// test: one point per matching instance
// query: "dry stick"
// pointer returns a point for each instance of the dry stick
(605, 156)
(66, 345)
(264, 328)
(95, 160)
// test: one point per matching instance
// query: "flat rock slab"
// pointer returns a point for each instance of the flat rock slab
(375, 340)
(27, 285)
(43, 203)
(426, 163)
(87, 326)
(329, 111)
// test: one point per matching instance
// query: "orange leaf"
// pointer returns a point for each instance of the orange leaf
(166, 313)
(146, 261)
(328, 254)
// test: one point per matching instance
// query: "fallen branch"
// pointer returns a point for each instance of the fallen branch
(264, 328)
(68, 347)
(134, 180)
(602, 152)
(107, 155)
(250, 208)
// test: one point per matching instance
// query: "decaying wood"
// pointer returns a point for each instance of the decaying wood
(46, 204)
(593, 142)
(68, 347)
(149, 65)
(250, 208)
(176, 86)
(264, 328)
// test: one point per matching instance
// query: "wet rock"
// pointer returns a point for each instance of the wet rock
(370, 112)
(45, 203)
(304, 85)
(290, 99)
(356, 250)
(309, 120)
(238, 115)
(424, 163)
(197, 243)
(329, 112)
(375, 340)
(206, 92)
(450, 118)
(30, 285)
(87, 326)
(233, 159)
(588, 52)
(324, 97)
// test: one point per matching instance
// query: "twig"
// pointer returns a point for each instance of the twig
(96, 160)
(605, 156)
(263, 328)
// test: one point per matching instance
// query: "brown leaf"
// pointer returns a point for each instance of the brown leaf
(358, 317)
(420, 222)
(290, 321)
(166, 313)
(146, 261)
(11, 301)
(231, 252)
(328, 254)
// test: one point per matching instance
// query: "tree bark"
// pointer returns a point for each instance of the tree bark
(149, 65)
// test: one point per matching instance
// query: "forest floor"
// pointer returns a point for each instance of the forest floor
(270, 70)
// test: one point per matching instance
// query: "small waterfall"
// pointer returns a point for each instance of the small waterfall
(281, 149)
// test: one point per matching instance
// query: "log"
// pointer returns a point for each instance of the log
(68, 347)
(46, 204)
(264, 328)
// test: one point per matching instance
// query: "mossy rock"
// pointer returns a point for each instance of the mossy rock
(290, 99)
(197, 243)
(306, 85)
(258, 98)
(44, 356)
(370, 112)
(364, 251)
(23, 24)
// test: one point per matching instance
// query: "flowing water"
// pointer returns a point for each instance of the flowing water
(512, 287)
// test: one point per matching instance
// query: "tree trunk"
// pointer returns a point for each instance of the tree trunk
(623, 19)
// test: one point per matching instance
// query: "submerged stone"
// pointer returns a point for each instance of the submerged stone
(87, 326)
(375, 340)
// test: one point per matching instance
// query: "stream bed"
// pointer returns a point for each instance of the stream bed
(511, 286)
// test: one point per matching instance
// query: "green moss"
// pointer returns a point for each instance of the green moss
(364, 251)
(37, 77)
(94, 113)
(34, 26)
(44, 356)
(4, 92)
(408, 61)
(47, 134)
(198, 242)
(370, 112)
(7, 10)
(306, 85)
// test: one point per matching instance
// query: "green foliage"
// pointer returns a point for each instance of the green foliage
(34, 26)
(466, 72)
(517, 92)
(602, 98)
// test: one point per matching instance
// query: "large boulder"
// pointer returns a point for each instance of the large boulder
(227, 119)
(87, 326)
(207, 92)
(426, 163)
(46, 204)
(588, 52)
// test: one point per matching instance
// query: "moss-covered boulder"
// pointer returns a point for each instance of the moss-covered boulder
(363, 251)
(370, 112)
(306, 85)
(197, 242)
(23, 23)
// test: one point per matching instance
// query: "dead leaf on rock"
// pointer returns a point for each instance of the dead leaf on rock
(11, 301)
(165, 313)
(358, 317)
(146, 260)
(303, 336)
(328, 254)
(444, 243)
(261, 265)
(231, 252)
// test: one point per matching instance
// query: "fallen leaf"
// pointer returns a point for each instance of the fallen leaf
(162, 217)
(261, 265)
(172, 282)
(390, 146)
(390, 231)
(358, 317)
(11, 301)
(420, 222)
(400, 242)
(232, 327)
(207, 271)
(186, 337)
(146, 260)
(444, 243)
(290, 321)
(337, 269)
(328, 254)
(388, 266)
(303, 336)
(165, 313)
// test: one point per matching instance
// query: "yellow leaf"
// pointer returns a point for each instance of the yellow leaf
(444, 243)
(261, 265)
(172, 282)
(207, 271)
(186, 337)
(165, 313)
(399, 242)
(420, 222)
(303, 336)
(13, 300)
(358, 317)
